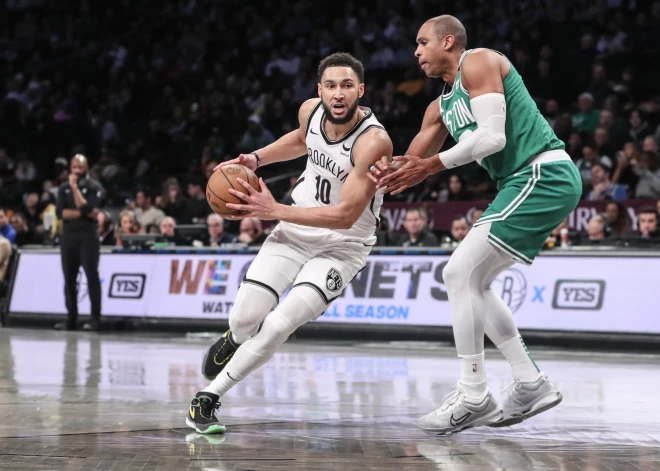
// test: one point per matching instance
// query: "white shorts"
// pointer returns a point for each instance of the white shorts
(327, 263)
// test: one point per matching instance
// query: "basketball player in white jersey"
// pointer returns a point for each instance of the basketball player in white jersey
(320, 244)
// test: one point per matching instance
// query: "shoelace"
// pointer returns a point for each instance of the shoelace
(213, 408)
(449, 401)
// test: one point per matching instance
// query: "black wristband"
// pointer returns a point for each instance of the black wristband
(257, 157)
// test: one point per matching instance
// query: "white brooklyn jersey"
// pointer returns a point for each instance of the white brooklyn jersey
(328, 165)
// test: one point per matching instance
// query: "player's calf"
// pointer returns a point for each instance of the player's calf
(252, 305)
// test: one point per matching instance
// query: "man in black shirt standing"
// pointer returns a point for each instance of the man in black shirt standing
(78, 206)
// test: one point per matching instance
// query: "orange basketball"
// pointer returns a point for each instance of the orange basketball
(223, 180)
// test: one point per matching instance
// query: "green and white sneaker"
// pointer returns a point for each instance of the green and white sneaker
(201, 414)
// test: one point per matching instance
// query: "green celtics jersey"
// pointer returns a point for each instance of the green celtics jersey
(527, 132)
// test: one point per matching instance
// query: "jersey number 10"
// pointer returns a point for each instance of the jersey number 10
(322, 190)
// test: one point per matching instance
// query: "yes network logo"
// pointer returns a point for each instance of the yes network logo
(127, 285)
(579, 294)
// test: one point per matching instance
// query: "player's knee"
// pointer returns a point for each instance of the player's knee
(251, 306)
(454, 275)
(276, 328)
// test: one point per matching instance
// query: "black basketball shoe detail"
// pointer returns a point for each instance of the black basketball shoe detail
(201, 414)
(218, 356)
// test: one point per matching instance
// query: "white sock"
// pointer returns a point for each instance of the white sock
(473, 375)
(241, 364)
(516, 353)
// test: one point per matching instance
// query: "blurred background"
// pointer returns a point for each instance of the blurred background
(156, 94)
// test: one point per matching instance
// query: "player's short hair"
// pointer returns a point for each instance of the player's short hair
(447, 25)
(342, 59)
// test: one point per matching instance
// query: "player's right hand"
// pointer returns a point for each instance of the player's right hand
(247, 160)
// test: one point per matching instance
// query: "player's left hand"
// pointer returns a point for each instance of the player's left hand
(411, 171)
(260, 205)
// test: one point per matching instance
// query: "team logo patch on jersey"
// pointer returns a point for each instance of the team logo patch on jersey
(333, 281)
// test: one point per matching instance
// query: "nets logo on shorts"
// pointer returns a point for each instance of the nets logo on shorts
(333, 281)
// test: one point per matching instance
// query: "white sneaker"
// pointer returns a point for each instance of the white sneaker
(460, 412)
(525, 400)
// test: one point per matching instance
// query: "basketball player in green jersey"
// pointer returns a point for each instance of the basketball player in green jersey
(488, 111)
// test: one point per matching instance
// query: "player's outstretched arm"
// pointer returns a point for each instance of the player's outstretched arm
(427, 143)
(481, 75)
(356, 192)
(288, 147)
(432, 134)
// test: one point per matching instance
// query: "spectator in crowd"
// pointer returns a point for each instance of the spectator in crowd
(456, 190)
(590, 156)
(649, 144)
(147, 215)
(31, 211)
(415, 223)
(602, 143)
(624, 173)
(638, 128)
(153, 104)
(602, 187)
(648, 224)
(6, 230)
(106, 228)
(554, 239)
(596, 230)
(385, 237)
(615, 128)
(128, 224)
(251, 232)
(646, 169)
(256, 136)
(216, 232)
(587, 118)
(196, 207)
(657, 206)
(172, 200)
(475, 215)
(24, 235)
(459, 228)
(574, 145)
(617, 219)
(167, 226)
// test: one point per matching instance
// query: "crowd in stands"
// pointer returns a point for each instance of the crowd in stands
(155, 94)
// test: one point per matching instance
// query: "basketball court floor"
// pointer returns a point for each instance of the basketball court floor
(78, 401)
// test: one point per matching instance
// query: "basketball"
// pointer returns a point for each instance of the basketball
(223, 180)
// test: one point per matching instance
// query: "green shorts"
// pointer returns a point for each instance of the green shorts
(530, 205)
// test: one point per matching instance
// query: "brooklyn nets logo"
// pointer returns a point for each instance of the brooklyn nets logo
(333, 280)
(511, 286)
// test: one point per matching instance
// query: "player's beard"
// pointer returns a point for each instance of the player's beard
(350, 114)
